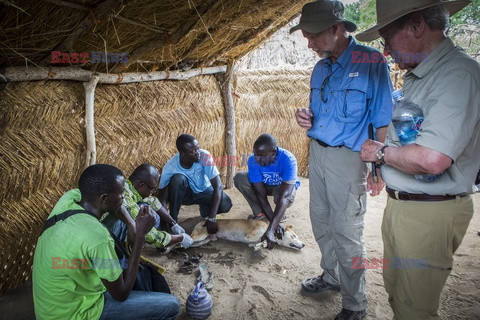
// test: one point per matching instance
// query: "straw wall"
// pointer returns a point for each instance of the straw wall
(265, 102)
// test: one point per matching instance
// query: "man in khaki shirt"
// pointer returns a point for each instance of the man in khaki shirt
(425, 221)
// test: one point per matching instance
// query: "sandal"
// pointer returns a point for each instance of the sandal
(258, 216)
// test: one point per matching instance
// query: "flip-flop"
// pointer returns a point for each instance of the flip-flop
(258, 216)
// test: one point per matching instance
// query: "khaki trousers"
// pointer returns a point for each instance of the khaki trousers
(419, 240)
(337, 210)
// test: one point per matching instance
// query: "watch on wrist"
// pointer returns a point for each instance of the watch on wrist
(381, 155)
(211, 219)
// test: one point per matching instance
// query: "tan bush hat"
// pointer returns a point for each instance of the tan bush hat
(390, 10)
(319, 15)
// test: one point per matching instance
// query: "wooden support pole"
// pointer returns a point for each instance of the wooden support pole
(78, 74)
(230, 131)
(91, 157)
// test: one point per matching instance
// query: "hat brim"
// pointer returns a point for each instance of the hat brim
(319, 26)
(372, 33)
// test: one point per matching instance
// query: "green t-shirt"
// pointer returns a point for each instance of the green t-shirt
(70, 260)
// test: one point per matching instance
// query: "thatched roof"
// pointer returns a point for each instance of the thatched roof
(156, 35)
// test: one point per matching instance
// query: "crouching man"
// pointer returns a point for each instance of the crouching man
(188, 179)
(272, 171)
(139, 188)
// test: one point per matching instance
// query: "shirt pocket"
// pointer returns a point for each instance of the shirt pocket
(352, 104)
(315, 100)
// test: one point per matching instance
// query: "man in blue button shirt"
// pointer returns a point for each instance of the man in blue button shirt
(272, 171)
(349, 89)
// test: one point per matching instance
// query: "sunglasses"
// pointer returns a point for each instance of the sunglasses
(322, 89)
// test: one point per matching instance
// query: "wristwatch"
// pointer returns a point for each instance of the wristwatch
(381, 155)
(211, 219)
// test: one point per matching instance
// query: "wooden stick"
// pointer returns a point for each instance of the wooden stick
(230, 131)
(101, 11)
(116, 16)
(91, 156)
(78, 74)
(162, 40)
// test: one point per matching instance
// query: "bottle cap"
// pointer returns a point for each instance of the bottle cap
(397, 95)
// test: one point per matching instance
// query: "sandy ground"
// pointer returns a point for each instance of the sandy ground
(266, 284)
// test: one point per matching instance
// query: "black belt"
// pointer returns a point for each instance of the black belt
(400, 195)
(323, 144)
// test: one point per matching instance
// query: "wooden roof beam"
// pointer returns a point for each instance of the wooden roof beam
(116, 16)
(78, 74)
(162, 40)
(104, 9)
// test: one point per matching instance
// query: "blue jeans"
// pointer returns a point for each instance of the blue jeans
(141, 305)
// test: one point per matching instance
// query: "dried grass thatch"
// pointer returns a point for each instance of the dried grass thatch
(157, 35)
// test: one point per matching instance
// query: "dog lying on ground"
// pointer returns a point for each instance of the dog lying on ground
(243, 230)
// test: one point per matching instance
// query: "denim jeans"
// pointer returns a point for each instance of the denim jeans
(179, 192)
(141, 305)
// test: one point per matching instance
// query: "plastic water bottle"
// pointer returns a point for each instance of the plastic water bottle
(407, 119)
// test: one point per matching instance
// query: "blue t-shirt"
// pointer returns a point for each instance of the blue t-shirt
(284, 169)
(198, 176)
(357, 93)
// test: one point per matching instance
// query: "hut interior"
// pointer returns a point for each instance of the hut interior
(119, 50)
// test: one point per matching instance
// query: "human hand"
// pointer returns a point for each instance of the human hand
(177, 229)
(269, 236)
(122, 214)
(279, 232)
(375, 187)
(369, 150)
(144, 221)
(187, 241)
(304, 117)
(212, 227)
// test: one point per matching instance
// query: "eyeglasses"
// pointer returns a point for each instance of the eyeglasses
(322, 89)
(387, 34)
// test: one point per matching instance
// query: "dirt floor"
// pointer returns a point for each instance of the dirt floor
(266, 284)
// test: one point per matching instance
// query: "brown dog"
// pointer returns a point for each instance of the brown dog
(242, 230)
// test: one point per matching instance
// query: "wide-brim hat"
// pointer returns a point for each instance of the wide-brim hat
(390, 10)
(319, 15)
